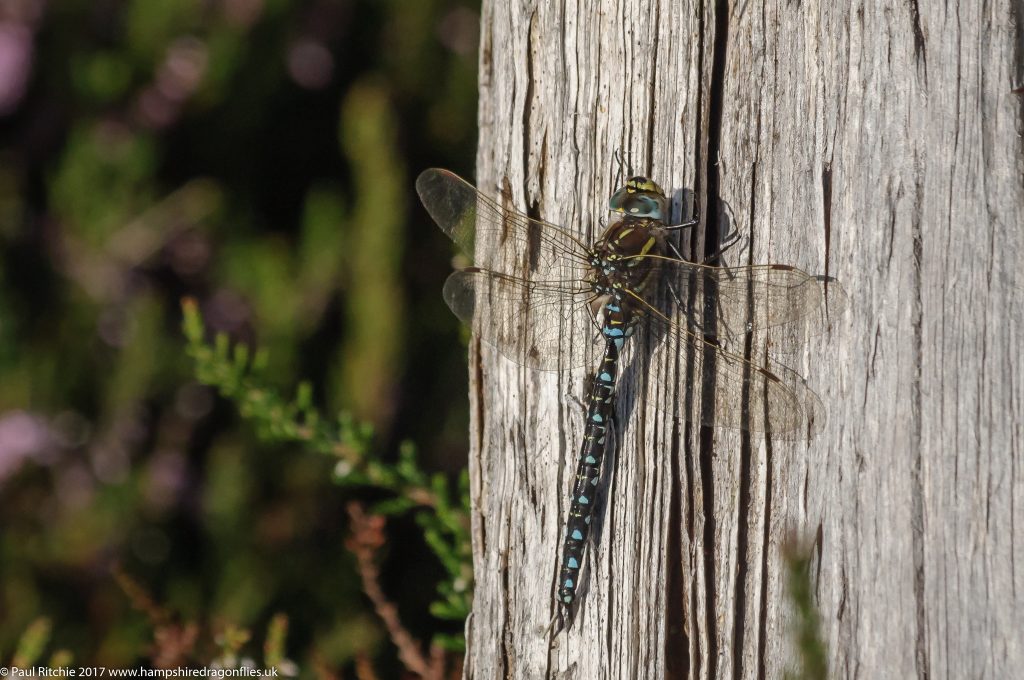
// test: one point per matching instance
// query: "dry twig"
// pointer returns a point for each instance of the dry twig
(367, 538)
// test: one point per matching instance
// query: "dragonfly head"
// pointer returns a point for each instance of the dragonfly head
(640, 197)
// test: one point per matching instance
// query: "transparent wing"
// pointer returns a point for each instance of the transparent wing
(490, 233)
(731, 392)
(528, 293)
(545, 325)
(739, 300)
(737, 394)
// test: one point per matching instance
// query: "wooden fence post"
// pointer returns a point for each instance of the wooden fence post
(876, 143)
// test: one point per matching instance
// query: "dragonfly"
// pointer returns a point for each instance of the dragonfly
(546, 299)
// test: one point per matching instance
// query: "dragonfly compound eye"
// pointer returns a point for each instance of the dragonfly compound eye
(640, 197)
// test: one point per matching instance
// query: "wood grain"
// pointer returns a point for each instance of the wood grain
(876, 143)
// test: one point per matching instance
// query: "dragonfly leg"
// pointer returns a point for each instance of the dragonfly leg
(692, 222)
(677, 299)
(675, 251)
(731, 240)
(734, 239)
(692, 318)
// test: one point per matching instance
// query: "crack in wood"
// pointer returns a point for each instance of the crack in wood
(742, 553)
(921, 659)
(528, 103)
(745, 485)
(826, 200)
(506, 633)
(677, 642)
(920, 53)
(716, 95)
(652, 92)
(762, 622)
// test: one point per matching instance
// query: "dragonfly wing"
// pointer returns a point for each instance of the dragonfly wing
(752, 299)
(539, 324)
(496, 237)
(731, 392)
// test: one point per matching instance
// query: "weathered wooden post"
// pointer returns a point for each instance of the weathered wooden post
(878, 144)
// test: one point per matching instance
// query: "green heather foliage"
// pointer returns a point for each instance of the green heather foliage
(31, 645)
(255, 157)
(30, 648)
(812, 653)
(442, 513)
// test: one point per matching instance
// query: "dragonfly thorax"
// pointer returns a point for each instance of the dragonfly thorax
(618, 261)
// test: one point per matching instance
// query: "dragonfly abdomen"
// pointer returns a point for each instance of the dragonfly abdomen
(588, 471)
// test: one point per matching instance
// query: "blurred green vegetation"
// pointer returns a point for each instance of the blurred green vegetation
(257, 156)
(805, 628)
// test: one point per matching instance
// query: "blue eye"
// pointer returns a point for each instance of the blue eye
(638, 203)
